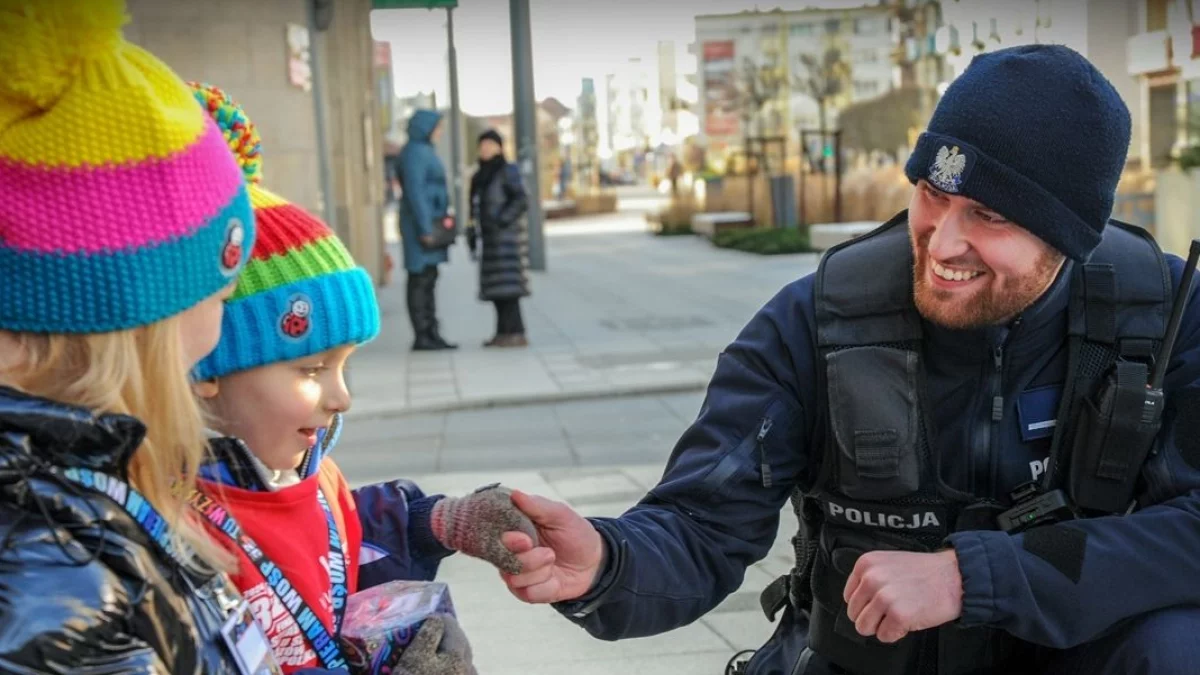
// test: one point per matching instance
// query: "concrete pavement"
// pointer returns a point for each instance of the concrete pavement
(600, 456)
(625, 328)
(618, 312)
(511, 638)
(580, 433)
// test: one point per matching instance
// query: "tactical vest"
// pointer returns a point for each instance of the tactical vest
(879, 486)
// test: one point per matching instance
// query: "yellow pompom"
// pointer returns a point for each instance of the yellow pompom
(44, 44)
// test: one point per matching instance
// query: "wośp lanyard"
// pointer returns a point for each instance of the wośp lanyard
(156, 527)
(323, 643)
(138, 507)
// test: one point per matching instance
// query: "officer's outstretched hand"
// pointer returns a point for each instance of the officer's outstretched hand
(893, 593)
(566, 560)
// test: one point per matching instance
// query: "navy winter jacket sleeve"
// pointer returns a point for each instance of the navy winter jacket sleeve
(397, 540)
(687, 544)
(1067, 584)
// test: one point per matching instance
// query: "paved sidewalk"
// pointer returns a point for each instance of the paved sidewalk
(626, 328)
(510, 637)
(619, 312)
(583, 433)
(600, 456)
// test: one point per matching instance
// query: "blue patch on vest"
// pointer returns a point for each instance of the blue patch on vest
(1037, 411)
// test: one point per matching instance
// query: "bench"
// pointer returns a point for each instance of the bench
(827, 235)
(558, 208)
(708, 224)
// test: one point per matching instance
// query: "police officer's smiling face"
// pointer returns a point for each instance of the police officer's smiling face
(973, 267)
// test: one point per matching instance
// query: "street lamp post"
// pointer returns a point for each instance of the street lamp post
(525, 116)
(456, 155)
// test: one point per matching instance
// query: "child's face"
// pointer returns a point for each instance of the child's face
(278, 409)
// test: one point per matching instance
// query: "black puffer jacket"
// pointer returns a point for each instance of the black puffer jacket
(82, 587)
(498, 204)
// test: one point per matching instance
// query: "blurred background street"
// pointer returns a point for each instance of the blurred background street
(629, 327)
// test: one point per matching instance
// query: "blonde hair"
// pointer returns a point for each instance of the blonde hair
(139, 372)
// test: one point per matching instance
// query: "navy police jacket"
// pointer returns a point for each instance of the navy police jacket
(686, 545)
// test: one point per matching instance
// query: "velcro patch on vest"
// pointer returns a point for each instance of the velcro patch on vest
(1037, 410)
(928, 519)
(1063, 546)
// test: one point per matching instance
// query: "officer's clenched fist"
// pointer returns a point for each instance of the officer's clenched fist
(892, 593)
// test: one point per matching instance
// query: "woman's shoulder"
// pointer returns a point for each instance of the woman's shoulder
(62, 579)
(36, 548)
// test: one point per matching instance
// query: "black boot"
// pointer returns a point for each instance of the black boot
(419, 311)
(434, 334)
(441, 341)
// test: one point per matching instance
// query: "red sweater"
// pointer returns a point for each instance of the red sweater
(289, 526)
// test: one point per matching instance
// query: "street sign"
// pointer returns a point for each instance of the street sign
(413, 4)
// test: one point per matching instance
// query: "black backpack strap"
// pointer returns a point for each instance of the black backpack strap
(854, 309)
(1120, 302)
(1100, 302)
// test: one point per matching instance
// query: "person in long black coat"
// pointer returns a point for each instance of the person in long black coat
(498, 206)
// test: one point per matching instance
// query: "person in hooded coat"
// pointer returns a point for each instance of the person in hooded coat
(424, 198)
(498, 206)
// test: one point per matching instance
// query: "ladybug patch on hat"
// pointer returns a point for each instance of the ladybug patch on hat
(231, 252)
(949, 169)
(297, 318)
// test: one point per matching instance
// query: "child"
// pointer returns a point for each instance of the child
(275, 386)
(123, 223)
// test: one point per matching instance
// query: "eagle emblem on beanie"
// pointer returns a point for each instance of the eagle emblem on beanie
(947, 170)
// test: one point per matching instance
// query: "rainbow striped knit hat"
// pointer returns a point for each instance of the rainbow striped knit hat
(301, 293)
(119, 202)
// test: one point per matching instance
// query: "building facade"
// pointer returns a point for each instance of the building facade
(778, 48)
(308, 82)
(668, 94)
(628, 92)
(1164, 57)
(587, 136)
(1098, 29)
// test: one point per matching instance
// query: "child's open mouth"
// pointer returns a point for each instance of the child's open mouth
(309, 435)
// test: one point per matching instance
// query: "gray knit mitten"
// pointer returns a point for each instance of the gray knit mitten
(473, 524)
(439, 648)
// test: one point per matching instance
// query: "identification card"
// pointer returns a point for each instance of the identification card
(248, 643)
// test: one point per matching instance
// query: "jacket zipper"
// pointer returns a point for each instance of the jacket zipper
(997, 391)
(994, 419)
(763, 430)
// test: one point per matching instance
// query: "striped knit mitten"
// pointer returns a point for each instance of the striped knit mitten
(473, 524)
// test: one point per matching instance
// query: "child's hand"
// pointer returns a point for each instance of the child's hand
(440, 648)
(474, 524)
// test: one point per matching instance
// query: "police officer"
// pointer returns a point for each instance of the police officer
(963, 410)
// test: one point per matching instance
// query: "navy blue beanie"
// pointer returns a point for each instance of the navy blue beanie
(1036, 134)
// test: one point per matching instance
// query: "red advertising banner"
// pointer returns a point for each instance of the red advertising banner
(720, 89)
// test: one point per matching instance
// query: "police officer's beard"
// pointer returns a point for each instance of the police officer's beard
(987, 305)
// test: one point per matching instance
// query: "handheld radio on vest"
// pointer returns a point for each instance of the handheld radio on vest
(1118, 427)
(1114, 432)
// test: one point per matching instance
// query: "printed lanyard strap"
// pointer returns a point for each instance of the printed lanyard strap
(324, 644)
(139, 509)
